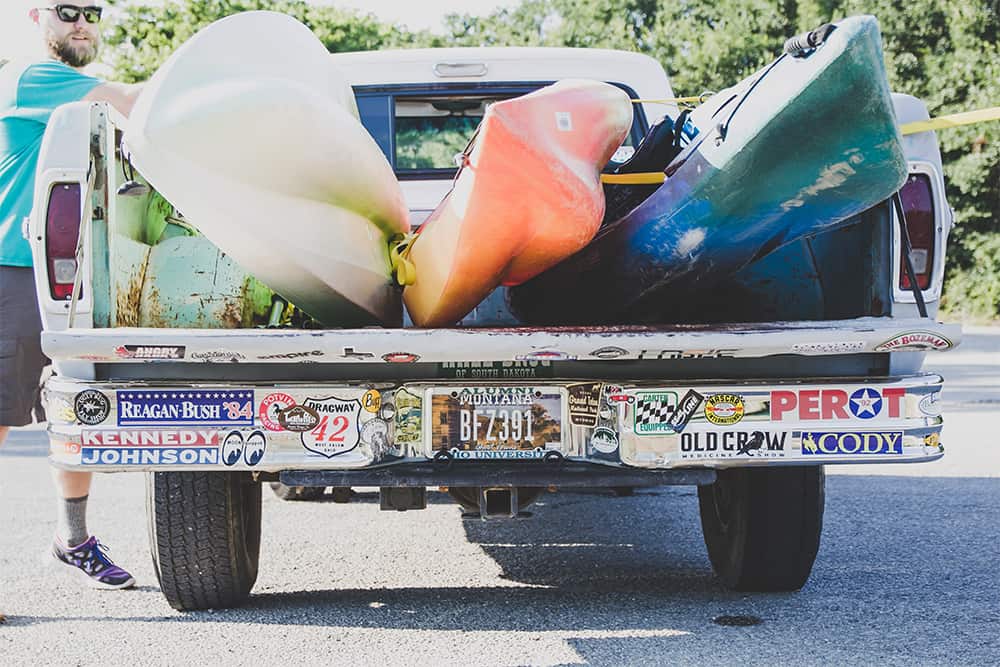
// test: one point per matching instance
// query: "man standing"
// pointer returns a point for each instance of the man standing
(29, 93)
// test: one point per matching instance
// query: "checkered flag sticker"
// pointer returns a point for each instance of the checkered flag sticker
(653, 411)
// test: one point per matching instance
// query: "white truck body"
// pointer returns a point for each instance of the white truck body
(640, 405)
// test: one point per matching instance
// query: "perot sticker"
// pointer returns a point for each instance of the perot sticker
(337, 431)
(835, 403)
(91, 407)
(149, 352)
(915, 340)
(298, 418)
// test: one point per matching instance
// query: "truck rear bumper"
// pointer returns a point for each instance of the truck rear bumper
(387, 432)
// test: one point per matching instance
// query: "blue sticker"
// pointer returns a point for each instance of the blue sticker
(865, 403)
(852, 443)
(179, 408)
(149, 456)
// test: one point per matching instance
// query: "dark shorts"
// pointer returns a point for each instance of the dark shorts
(21, 358)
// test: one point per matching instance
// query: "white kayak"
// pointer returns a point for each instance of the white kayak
(252, 133)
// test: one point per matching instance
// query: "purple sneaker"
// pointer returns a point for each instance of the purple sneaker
(92, 560)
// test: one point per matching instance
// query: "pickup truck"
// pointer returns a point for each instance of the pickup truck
(810, 356)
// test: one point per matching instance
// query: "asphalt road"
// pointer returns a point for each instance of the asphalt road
(908, 572)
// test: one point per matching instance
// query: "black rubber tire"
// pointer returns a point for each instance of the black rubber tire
(762, 526)
(204, 536)
(468, 496)
(297, 492)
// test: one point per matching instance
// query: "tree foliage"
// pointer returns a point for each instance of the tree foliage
(944, 52)
(143, 35)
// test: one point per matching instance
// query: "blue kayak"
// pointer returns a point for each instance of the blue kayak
(799, 148)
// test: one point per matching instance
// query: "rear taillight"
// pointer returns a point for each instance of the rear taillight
(918, 205)
(62, 230)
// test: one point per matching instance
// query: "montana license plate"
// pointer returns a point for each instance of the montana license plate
(496, 422)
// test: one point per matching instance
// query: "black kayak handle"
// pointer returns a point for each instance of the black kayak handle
(797, 45)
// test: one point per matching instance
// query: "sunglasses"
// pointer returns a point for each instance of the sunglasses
(70, 13)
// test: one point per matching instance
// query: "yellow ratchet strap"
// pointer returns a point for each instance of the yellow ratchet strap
(952, 120)
(674, 100)
(399, 258)
(638, 178)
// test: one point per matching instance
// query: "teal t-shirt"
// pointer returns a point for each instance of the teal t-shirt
(29, 93)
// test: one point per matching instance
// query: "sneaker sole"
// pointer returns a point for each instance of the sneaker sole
(75, 572)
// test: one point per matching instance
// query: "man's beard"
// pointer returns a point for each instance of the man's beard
(72, 54)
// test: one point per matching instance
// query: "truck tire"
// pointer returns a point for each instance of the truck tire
(297, 492)
(204, 535)
(762, 526)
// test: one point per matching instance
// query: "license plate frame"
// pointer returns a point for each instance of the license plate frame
(478, 435)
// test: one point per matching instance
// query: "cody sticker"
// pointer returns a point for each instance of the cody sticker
(338, 430)
(724, 409)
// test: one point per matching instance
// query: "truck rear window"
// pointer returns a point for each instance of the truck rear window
(421, 131)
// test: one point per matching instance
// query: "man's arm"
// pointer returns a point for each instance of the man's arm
(121, 96)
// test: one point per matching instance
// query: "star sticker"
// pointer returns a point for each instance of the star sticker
(866, 403)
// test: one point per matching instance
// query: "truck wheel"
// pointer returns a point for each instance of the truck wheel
(297, 492)
(204, 535)
(762, 526)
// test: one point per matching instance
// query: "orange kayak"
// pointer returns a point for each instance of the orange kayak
(527, 196)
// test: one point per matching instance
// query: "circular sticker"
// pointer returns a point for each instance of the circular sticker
(232, 448)
(604, 440)
(724, 409)
(91, 407)
(376, 432)
(253, 452)
(371, 401)
(271, 408)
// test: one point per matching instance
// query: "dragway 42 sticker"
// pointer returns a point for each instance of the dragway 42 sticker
(338, 430)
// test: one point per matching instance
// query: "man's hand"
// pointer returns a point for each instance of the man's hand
(121, 96)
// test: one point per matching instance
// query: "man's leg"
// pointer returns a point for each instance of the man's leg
(21, 365)
(73, 489)
(3, 436)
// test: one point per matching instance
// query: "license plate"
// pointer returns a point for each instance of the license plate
(496, 422)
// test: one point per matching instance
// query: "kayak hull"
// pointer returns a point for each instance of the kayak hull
(528, 196)
(269, 161)
(795, 150)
